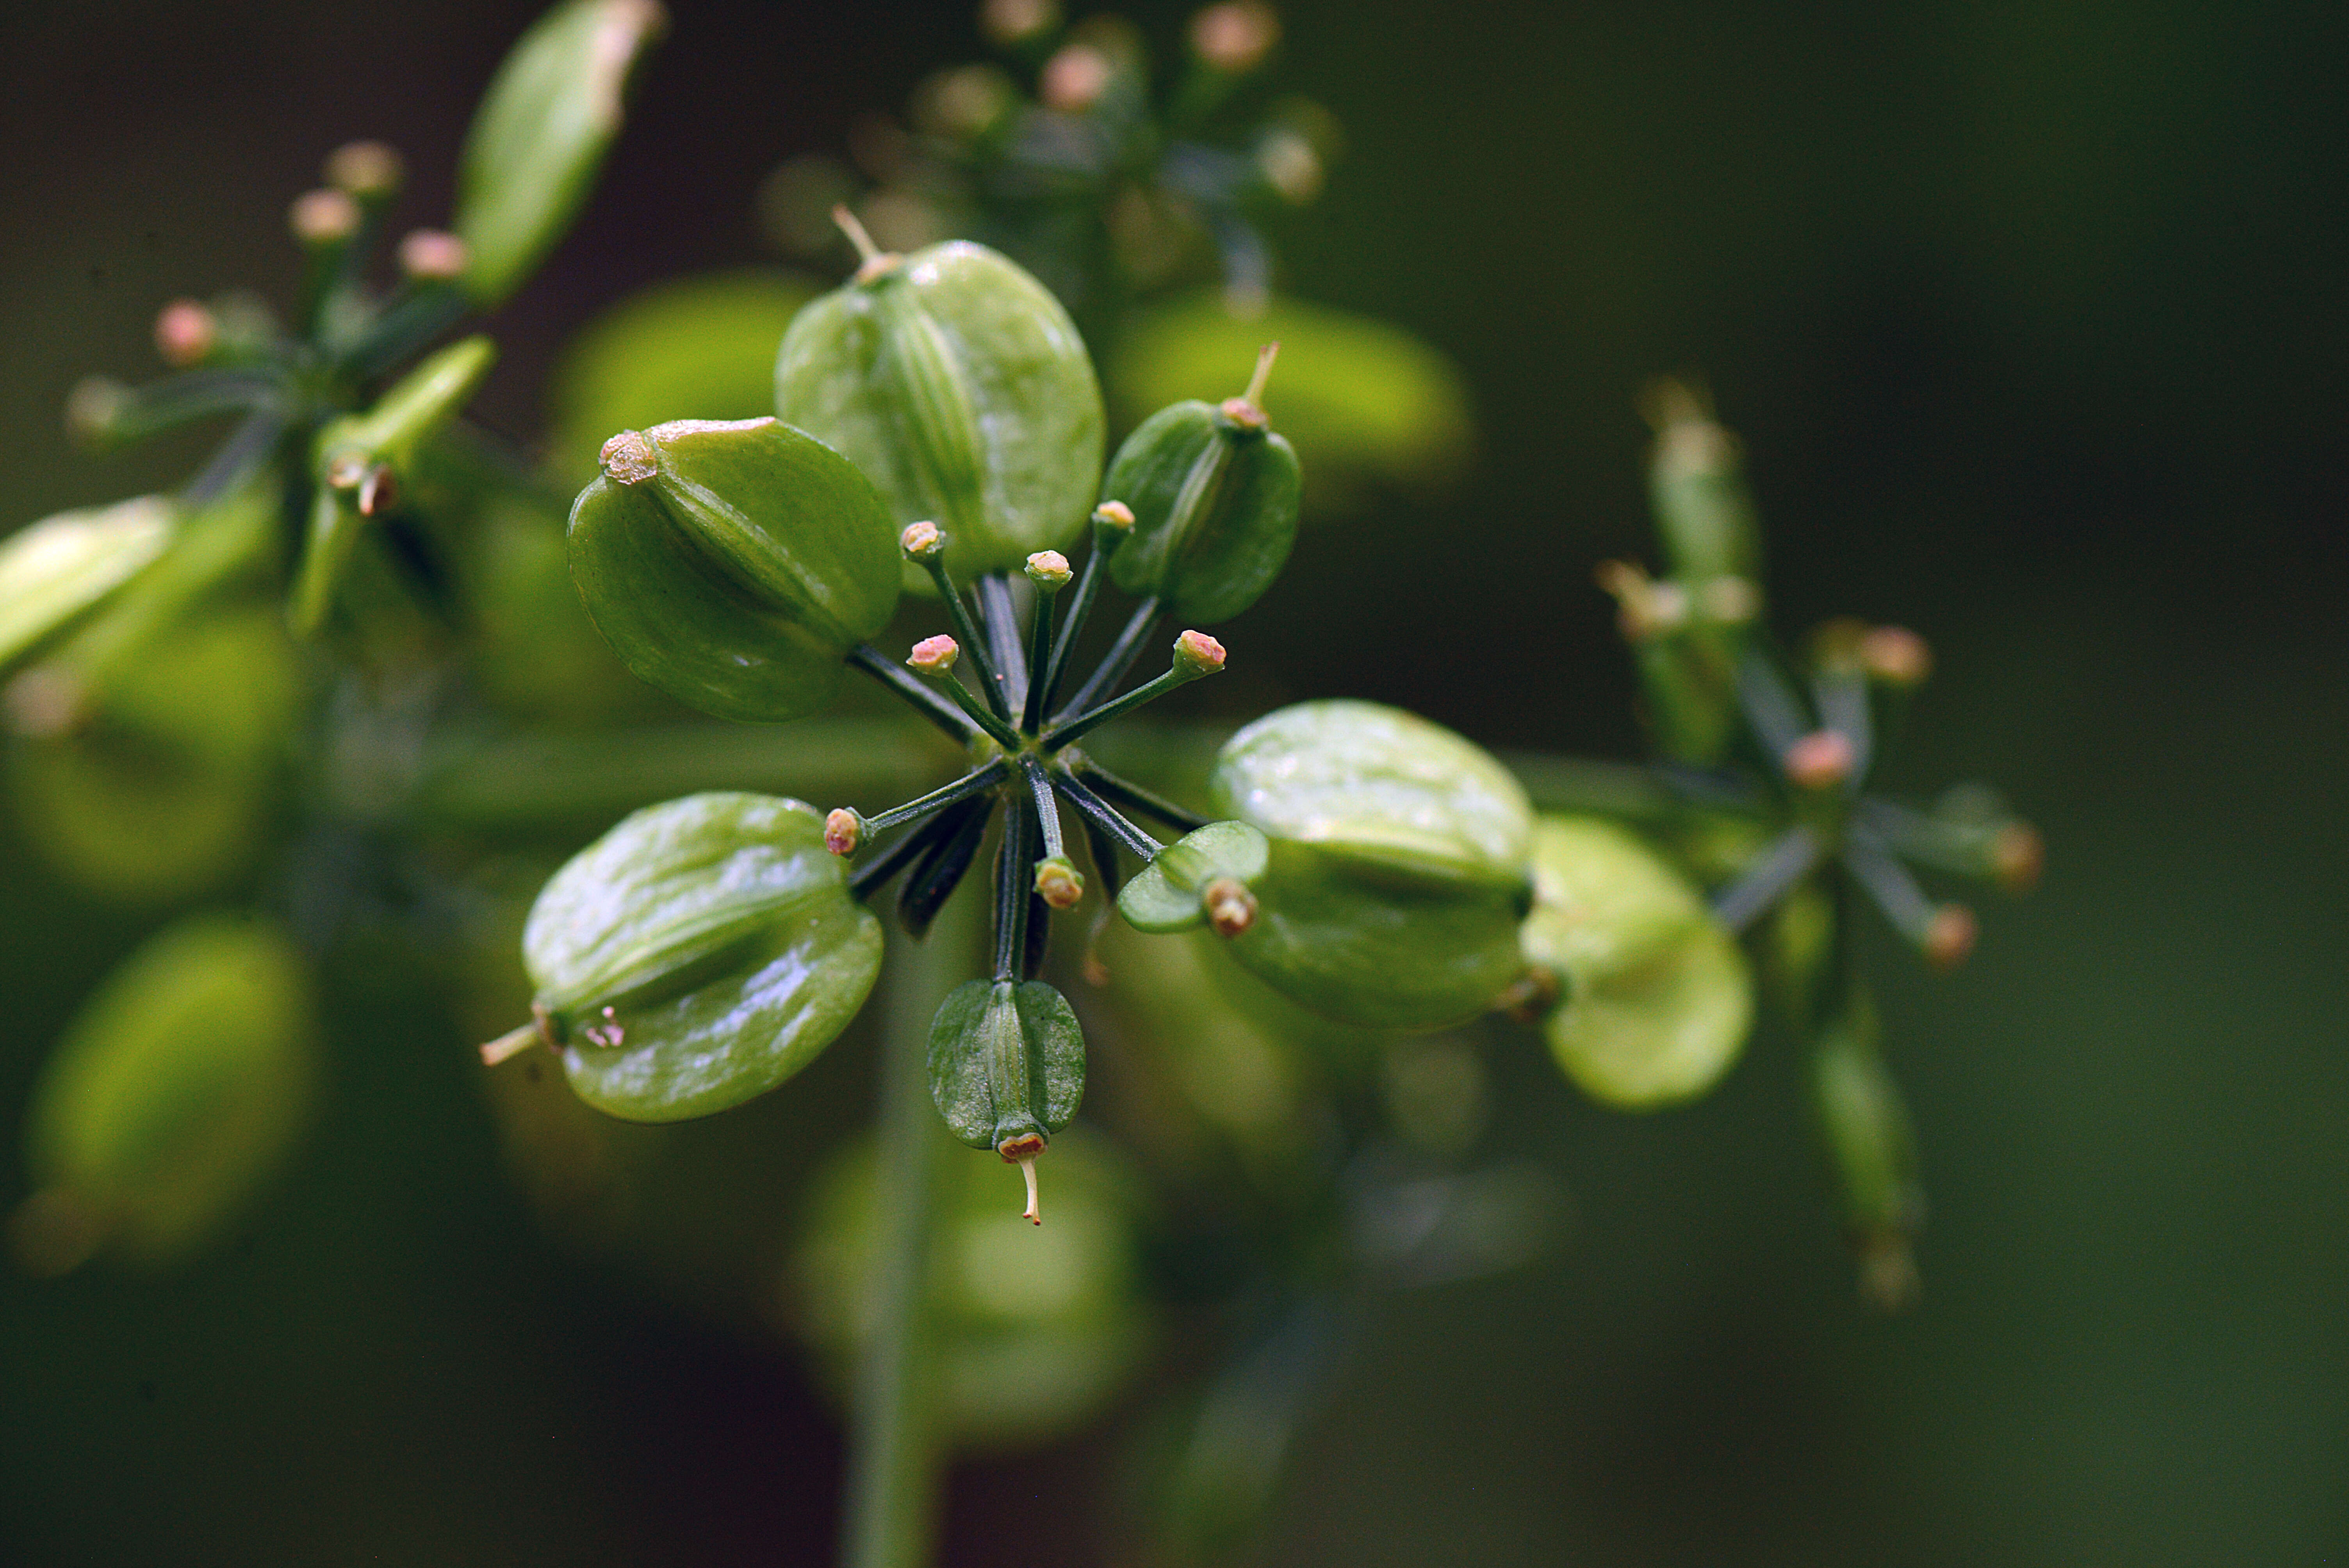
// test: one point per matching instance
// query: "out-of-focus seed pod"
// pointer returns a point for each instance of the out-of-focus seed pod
(180, 1088)
(733, 564)
(960, 385)
(61, 567)
(1873, 1149)
(698, 955)
(1696, 482)
(541, 133)
(1036, 1331)
(1398, 870)
(1214, 492)
(1657, 1002)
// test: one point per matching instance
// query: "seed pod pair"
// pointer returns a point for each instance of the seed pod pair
(1008, 1068)
(698, 955)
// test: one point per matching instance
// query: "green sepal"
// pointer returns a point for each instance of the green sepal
(698, 955)
(1007, 1061)
(56, 570)
(1658, 998)
(1378, 786)
(179, 1089)
(959, 385)
(1164, 895)
(1214, 512)
(1358, 943)
(733, 564)
(540, 136)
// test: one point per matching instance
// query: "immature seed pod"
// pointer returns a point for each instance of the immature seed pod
(959, 385)
(733, 564)
(1214, 492)
(1397, 870)
(1171, 893)
(180, 1086)
(698, 955)
(52, 572)
(1657, 1001)
(1007, 1068)
(1873, 1149)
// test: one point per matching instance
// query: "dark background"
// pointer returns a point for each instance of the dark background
(2031, 317)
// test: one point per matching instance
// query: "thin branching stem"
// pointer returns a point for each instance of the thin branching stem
(1113, 665)
(922, 696)
(867, 879)
(1011, 891)
(1072, 624)
(1134, 798)
(967, 633)
(1047, 810)
(1777, 869)
(962, 788)
(1106, 817)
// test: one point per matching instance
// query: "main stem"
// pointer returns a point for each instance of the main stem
(893, 1449)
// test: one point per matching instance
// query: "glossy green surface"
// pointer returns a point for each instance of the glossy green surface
(957, 383)
(1214, 512)
(1658, 1003)
(738, 572)
(177, 1091)
(1376, 784)
(1164, 895)
(540, 134)
(1007, 1060)
(61, 566)
(1038, 1327)
(721, 935)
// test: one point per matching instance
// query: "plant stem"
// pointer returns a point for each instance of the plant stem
(962, 788)
(893, 1452)
(1002, 618)
(923, 698)
(1106, 817)
(967, 636)
(1119, 660)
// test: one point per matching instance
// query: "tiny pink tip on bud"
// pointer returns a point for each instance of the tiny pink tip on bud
(843, 830)
(433, 257)
(1235, 37)
(324, 217)
(921, 540)
(1820, 760)
(1015, 21)
(627, 459)
(1197, 654)
(364, 169)
(1950, 936)
(1896, 655)
(1048, 570)
(1059, 883)
(934, 655)
(378, 492)
(1114, 514)
(2017, 855)
(1074, 78)
(186, 334)
(1231, 908)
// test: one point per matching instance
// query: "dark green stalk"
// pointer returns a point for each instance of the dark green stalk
(962, 788)
(1068, 731)
(1039, 649)
(1047, 810)
(1041, 693)
(979, 715)
(965, 631)
(1002, 618)
(112, 416)
(1114, 664)
(247, 447)
(1842, 699)
(874, 873)
(923, 699)
(1767, 879)
(1011, 891)
(1133, 797)
(1106, 817)
(1889, 887)
(941, 870)
(1771, 708)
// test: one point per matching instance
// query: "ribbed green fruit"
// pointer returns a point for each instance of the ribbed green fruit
(1213, 498)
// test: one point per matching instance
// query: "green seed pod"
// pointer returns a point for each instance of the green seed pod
(1037, 1331)
(1398, 871)
(1696, 482)
(1658, 999)
(1007, 1064)
(733, 564)
(1873, 1149)
(698, 955)
(540, 134)
(179, 1089)
(64, 565)
(1214, 492)
(957, 382)
(1170, 894)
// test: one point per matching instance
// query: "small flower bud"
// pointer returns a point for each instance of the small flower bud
(1231, 908)
(1048, 570)
(1950, 936)
(94, 406)
(1074, 79)
(1235, 37)
(934, 655)
(1896, 655)
(433, 257)
(1016, 21)
(367, 170)
(1290, 167)
(378, 492)
(1197, 654)
(1059, 883)
(1114, 514)
(186, 332)
(2017, 855)
(627, 459)
(921, 540)
(324, 217)
(1820, 760)
(843, 831)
